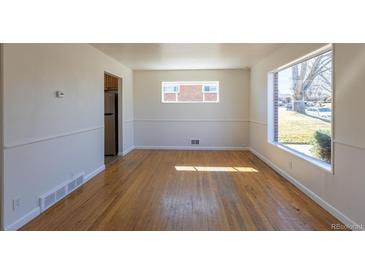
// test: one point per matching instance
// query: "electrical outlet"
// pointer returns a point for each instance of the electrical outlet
(16, 203)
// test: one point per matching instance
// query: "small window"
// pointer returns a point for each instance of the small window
(190, 92)
(210, 88)
(302, 107)
(170, 88)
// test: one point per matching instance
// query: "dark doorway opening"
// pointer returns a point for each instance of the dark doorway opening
(111, 143)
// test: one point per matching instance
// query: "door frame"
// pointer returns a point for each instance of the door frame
(120, 112)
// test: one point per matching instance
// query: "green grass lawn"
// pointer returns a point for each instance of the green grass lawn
(297, 128)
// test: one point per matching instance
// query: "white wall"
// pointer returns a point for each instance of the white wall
(222, 125)
(345, 189)
(48, 140)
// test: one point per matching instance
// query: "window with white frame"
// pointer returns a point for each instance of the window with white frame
(302, 106)
(171, 88)
(210, 88)
(190, 92)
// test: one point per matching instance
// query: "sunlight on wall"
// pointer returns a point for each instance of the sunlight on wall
(215, 169)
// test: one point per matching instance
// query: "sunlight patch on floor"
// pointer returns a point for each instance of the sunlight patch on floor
(215, 169)
(185, 168)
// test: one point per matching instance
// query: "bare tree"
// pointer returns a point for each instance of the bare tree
(312, 73)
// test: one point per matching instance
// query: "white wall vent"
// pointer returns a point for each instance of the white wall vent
(59, 192)
(71, 186)
(49, 200)
(79, 180)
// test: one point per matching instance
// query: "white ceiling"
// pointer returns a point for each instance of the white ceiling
(187, 56)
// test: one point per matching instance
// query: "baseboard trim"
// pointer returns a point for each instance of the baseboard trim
(194, 120)
(190, 148)
(23, 220)
(36, 211)
(125, 152)
(328, 207)
(94, 173)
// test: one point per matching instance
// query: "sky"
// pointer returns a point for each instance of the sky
(285, 82)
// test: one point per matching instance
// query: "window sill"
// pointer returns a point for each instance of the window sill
(318, 163)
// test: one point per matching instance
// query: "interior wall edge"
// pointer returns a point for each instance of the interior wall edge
(126, 151)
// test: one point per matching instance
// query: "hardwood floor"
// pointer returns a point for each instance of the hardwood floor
(186, 190)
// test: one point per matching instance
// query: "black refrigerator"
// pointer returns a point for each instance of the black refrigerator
(110, 123)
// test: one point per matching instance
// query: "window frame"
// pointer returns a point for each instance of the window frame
(185, 83)
(272, 105)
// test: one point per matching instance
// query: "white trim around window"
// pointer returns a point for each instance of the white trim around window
(178, 83)
(271, 106)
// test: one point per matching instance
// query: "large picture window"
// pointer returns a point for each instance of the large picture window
(302, 94)
(190, 92)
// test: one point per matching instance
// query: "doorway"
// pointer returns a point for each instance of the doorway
(112, 88)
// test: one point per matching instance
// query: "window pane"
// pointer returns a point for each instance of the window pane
(211, 97)
(190, 92)
(304, 106)
(170, 88)
(169, 97)
(210, 88)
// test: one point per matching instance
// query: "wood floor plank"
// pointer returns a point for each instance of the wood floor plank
(186, 190)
